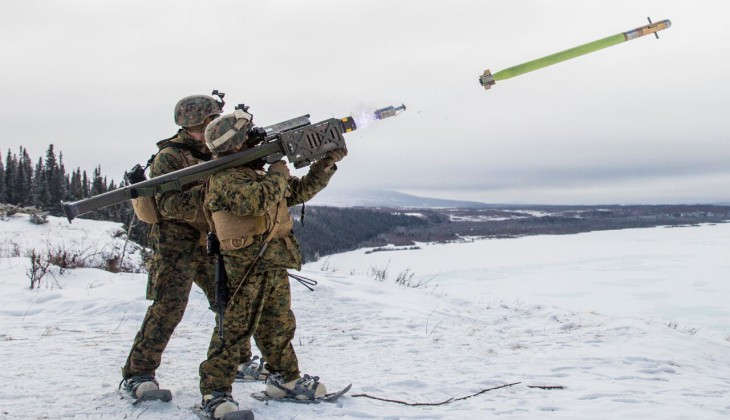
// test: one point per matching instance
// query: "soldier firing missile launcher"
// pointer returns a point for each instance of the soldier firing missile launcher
(297, 140)
(487, 79)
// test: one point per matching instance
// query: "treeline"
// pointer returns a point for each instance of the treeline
(44, 183)
(330, 230)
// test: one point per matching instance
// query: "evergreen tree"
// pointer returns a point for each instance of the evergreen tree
(76, 188)
(39, 192)
(23, 178)
(3, 197)
(98, 186)
(11, 163)
(55, 180)
(98, 183)
(67, 186)
(85, 186)
(62, 177)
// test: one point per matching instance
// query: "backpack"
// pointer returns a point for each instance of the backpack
(145, 208)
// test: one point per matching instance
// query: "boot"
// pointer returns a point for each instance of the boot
(306, 388)
(252, 370)
(138, 384)
(218, 404)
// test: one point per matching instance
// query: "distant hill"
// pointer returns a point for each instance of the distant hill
(333, 229)
(389, 199)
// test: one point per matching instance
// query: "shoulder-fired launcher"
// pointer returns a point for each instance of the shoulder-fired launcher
(297, 140)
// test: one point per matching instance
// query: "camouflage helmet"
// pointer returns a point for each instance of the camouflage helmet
(228, 132)
(193, 110)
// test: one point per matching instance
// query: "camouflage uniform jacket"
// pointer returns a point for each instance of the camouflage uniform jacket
(243, 192)
(183, 220)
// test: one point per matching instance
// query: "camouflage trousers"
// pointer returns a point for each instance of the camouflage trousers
(170, 280)
(260, 308)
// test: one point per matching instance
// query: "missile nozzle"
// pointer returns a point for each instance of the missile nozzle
(486, 79)
(348, 124)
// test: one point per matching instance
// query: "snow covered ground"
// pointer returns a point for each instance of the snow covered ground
(625, 324)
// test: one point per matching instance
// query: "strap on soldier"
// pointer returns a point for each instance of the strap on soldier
(137, 173)
(221, 280)
(164, 144)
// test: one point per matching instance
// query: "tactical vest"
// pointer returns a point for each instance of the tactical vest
(237, 232)
(146, 207)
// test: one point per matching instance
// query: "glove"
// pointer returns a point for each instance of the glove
(280, 167)
(333, 156)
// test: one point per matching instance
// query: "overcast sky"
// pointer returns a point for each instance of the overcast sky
(645, 121)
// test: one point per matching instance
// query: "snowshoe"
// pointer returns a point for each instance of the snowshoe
(304, 388)
(145, 388)
(328, 398)
(307, 389)
(221, 406)
(252, 370)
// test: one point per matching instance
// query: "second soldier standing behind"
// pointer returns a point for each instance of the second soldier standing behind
(178, 225)
(249, 209)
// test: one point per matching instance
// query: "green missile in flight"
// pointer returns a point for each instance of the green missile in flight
(487, 79)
